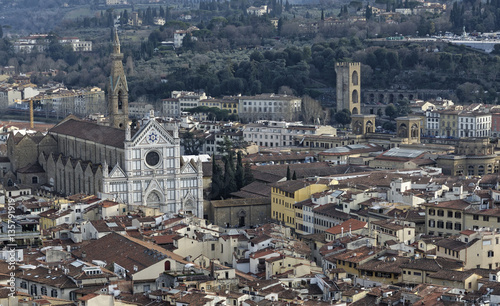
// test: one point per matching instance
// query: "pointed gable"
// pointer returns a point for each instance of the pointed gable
(152, 133)
(189, 167)
(117, 172)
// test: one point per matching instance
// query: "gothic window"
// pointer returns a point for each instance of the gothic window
(355, 96)
(120, 100)
(355, 78)
(153, 198)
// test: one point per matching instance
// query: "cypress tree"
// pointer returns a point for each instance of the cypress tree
(217, 181)
(229, 177)
(239, 175)
(248, 174)
(288, 174)
(294, 177)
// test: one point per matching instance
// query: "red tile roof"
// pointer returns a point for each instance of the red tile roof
(351, 224)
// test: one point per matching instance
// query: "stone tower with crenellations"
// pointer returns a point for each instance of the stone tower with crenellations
(349, 87)
(117, 88)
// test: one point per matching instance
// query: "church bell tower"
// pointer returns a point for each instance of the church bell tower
(117, 88)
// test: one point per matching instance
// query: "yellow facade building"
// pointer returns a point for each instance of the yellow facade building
(285, 194)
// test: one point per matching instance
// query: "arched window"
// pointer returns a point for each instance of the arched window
(120, 100)
(355, 98)
(355, 78)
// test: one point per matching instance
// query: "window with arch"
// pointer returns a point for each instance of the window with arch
(43, 290)
(355, 78)
(355, 98)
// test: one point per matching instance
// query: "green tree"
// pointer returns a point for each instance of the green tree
(294, 177)
(192, 144)
(368, 12)
(343, 117)
(248, 174)
(391, 111)
(229, 177)
(239, 175)
(288, 173)
(217, 181)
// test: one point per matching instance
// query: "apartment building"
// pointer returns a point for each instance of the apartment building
(280, 133)
(269, 107)
(181, 101)
(476, 248)
(445, 218)
(285, 194)
(474, 124)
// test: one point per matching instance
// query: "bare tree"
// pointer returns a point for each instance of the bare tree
(312, 111)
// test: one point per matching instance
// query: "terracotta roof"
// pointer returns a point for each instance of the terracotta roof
(452, 275)
(390, 224)
(454, 204)
(452, 244)
(433, 264)
(264, 252)
(121, 250)
(260, 238)
(331, 211)
(292, 186)
(105, 226)
(356, 255)
(164, 239)
(45, 276)
(92, 132)
(389, 264)
(346, 226)
(54, 213)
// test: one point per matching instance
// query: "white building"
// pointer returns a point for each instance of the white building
(474, 124)
(432, 122)
(181, 101)
(139, 109)
(180, 34)
(281, 133)
(259, 11)
(270, 107)
(154, 175)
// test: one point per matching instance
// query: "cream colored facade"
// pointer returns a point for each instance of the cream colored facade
(483, 253)
(470, 283)
(295, 266)
(445, 218)
(399, 231)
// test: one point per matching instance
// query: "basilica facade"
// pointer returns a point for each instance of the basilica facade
(143, 168)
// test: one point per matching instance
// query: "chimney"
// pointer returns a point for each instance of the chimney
(84, 254)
